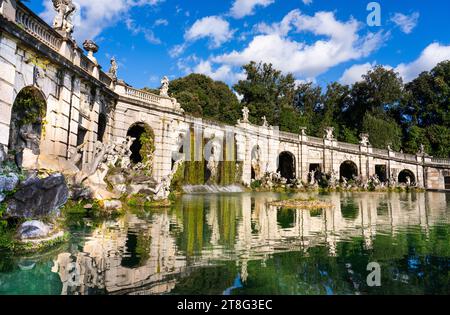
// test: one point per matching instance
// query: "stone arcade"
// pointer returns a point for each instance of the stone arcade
(87, 113)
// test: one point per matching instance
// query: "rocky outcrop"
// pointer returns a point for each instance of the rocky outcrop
(33, 229)
(7, 184)
(38, 197)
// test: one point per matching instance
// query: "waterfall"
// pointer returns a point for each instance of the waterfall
(198, 189)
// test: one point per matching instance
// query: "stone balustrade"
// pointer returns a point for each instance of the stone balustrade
(143, 96)
(349, 146)
(37, 28)
(440, 161)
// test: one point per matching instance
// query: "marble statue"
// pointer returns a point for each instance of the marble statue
(245, 114)
(256, 163)
(422, 149)
(312, 178)
(113, 69)
(303, 131)
(364, 140)
(333, 181)
(214, 160)
(408, 181)
(164, 90)
(64, 12)
(75, 154)
(265, 123)
(329, 133)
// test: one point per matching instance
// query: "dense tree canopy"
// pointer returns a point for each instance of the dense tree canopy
(403, 116)
(200, 96)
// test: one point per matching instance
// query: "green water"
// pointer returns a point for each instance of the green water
(236, 244)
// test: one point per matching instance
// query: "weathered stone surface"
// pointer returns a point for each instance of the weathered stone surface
(33, 229)
(80, 192)
(112, 205)
(39, 197)
(143, 179)
(117, 179)
(8, 182)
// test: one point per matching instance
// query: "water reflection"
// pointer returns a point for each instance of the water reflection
(238, 244)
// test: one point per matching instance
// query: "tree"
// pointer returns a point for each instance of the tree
(380, 92)
(201, 96)
(266, 92)
(309, 101)
(424, 112)
(382, 131)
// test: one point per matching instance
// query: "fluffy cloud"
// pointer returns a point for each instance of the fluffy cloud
(223, 73)
(213, 27)
(428, 59)
(92, 17)
(160, 22)
(339, 42)
(242, 8)
(430, 56)
(307, 2)
(148, 33)
(406, 22)
(355, 73)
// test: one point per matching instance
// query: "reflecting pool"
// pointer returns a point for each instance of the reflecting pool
(236, 244)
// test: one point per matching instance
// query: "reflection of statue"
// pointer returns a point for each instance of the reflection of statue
(63, 19)
(164, 90)
(113, 69)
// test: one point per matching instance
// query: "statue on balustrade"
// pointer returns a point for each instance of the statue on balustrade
(164, 90)
(113, 69)
(63, 19)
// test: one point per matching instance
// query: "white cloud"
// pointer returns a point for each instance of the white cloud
(307, 2)
(242, 8)
(341, 43)
(428, 59)
(177, 50)
(213, 27)
(355, 73)
(223, 73)
(163, 22)
(148, 33)
(93, 16)
(406, 22)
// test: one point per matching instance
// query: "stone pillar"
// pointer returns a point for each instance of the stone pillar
(329, 143)
(364, 159)
(247, 167)
(303, 162)
(241, 144)
(7, 82)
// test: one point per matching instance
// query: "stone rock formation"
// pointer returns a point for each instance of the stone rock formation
(38, 197)
(33, 229)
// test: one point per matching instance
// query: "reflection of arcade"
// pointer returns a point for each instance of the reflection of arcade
(136, 256)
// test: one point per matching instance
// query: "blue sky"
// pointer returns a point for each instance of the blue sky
(317, 40)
